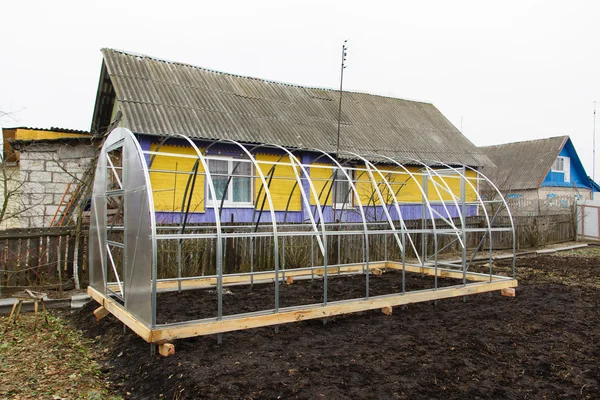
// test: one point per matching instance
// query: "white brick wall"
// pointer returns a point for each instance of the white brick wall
(47, 170)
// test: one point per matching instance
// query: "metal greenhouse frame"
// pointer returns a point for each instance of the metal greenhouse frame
(138, 254)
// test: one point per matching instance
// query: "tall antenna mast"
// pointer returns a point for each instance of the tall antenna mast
(593, 147)
(344, 49)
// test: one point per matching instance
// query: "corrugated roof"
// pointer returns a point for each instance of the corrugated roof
(522, 165)
(161, 98)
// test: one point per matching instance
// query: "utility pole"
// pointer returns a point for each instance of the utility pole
(593, 147)
(344, 48)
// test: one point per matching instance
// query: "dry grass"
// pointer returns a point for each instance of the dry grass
(54, 362)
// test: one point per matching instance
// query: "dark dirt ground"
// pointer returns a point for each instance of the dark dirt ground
(243, 299)
(542, 344)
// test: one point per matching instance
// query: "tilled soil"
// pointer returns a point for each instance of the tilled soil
(544, 343)
(196, 304)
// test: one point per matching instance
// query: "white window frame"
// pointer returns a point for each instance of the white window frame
(566, 167)
(350, 199)
(229, 203)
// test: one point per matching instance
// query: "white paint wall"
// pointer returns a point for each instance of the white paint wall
(46, 171)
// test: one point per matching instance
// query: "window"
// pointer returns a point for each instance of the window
(559, 164)
(563, 164)
(239, 191)
(342, 191)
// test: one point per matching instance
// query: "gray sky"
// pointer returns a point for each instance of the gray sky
(512, 70)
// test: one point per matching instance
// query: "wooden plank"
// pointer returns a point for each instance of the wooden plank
(25, 233)
(52, 258)
(122, 315)
(199, 328)
(100, 313)
(33, 261)
(166, 349)
(211, 281)
(268, 277)
(442, 272)
(3, 264)
(22, 275)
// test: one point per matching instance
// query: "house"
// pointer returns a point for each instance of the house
(156, 99)
(537, 174)
(46, 166)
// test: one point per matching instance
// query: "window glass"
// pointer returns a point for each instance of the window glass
(342, 189)
(219, 171)
(559, 164)
(241, 182)
(240, 185)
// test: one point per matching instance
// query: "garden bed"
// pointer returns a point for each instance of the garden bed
(196, 304)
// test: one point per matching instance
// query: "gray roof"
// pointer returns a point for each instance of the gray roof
(522, 165)
(159, 97)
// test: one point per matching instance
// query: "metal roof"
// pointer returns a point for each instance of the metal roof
(159, 97)
(522, 165)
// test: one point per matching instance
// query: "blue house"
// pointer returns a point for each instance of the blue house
(545, 169)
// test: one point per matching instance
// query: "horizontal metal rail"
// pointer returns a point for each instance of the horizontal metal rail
(178, 236)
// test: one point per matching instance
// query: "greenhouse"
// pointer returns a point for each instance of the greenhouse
(193, 237)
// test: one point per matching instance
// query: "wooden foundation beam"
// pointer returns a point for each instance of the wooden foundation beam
(375, 268)
(442, 272)
(202, 282)
(100, 313)
(387, 310)
(122, 315)
(168, 333)
(166, 349)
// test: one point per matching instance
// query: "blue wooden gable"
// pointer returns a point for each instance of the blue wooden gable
(573, 174)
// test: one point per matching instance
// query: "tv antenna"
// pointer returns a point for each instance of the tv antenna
(344, 53)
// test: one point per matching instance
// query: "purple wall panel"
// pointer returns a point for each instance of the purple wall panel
(409, 212)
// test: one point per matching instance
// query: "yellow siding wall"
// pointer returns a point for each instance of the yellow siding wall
(453, 183)
(404, 186)
(406, 191)
(33, 134)
(169, 187)
(281, 186)
(321, 178)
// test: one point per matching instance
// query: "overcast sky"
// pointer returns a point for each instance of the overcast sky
(509, 70)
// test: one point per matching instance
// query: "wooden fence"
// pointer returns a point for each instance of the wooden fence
(41, 258)
(45, 257)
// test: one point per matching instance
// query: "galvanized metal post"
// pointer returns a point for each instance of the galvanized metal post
(424, 235)
(463, 201)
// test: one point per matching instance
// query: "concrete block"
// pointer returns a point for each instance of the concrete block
(36, 221)
(55, 166)
(48, 199)
(74, 166)
(75, 152)
(51, 210)
(39, 176)
(79, 300)
(33, 165)
(59, 196)
(32, 187)
(61, 177)
(41, 153)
